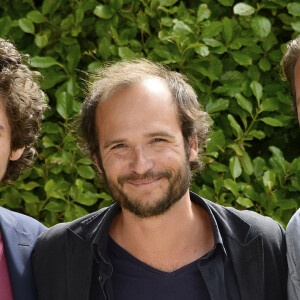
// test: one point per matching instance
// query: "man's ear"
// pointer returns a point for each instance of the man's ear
(193, 144)
(16, 154)
(96, 158)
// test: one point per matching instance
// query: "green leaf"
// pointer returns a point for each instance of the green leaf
(296, 26)
(244, 202)
(30, 197)
(41, 40)
(235, 167)
(64, 105)
(230, 185)
(104, 11)
(51, 127)
(244, 103)
(217, 105)
(257, 90)
(85, 161)
(212, 42)
(26, 25)
(28, 186)
(142, 22)
(203, 12)
(180, 26)
(211, 30)
(287, 204)
(5, 26)
(261, 26)
(278, 156)
(73, 57)
(217, 141)
(55, 206)
(86, 172)
(264, 64)
(50, 6)
(227, 30)
(36, 17)
(294, 8)
(269, 179)
(237, 130)
(226, 2)
(272, 122)
(116, 4)
(43, 62)
(125, 53)
(52, 76)
(218, 167)
(258, 166)
(258, 134)
(243, 9)
(242, 58)
(51, 189)
(87, 199)
(270, 104)
(247, 163)
(202, 50)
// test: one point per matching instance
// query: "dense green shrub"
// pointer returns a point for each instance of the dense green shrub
(231, 52)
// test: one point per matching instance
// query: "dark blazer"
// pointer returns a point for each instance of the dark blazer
(19, 234)
(63, 255)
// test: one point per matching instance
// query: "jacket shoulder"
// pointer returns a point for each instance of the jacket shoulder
(20, 222)
(237, 220)
(56, 234)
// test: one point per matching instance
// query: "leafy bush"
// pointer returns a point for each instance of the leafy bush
(231, 52)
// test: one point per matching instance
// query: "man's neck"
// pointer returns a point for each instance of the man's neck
(166, 242)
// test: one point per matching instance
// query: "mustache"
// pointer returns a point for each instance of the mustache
(145, 176)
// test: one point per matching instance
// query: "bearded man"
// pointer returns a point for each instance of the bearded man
(144, 128)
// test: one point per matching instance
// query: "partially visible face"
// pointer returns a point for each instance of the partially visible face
(144, 161)
(5, 142)
(297, 87)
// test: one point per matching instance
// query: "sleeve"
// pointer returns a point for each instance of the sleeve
(293, 256)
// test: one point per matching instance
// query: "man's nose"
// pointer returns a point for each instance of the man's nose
(142, 160)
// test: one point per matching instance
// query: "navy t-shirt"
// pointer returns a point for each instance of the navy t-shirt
(132, 279)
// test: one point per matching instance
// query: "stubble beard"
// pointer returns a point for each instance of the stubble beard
(178, 184)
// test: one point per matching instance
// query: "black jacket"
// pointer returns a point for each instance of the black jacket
(63, 258)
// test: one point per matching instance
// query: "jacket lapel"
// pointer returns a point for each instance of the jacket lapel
(247, 260)
(79, 266)
(245, 247)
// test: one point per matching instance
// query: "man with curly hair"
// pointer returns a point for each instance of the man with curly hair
(21, 110)
(145, 129)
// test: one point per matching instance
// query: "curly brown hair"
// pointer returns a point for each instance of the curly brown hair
(288, 63)
(24, 104)
(114, 77)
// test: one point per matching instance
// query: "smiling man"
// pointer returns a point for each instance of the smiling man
(144, 128)
(21, 110)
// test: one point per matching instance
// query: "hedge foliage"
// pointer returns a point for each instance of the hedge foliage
(231, 52)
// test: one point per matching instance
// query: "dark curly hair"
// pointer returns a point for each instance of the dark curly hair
(114, 77)
(24, 104)
(288, 63)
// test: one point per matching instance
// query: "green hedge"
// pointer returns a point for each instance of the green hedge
(231, 52)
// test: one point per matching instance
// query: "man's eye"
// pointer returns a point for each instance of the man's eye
(119, 146)
(158, 140)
